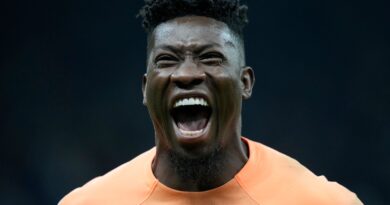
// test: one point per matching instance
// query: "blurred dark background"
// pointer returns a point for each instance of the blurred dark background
(71, 104)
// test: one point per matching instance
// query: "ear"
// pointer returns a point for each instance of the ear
(144, 79)
(247, 82)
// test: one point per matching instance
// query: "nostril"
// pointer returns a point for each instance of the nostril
(185, 80)
(197, 81)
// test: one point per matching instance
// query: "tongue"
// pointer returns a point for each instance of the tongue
(192, 121)
(192, 125)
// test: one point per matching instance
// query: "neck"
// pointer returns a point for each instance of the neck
(203, 173)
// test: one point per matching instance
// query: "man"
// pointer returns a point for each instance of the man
(195, 82)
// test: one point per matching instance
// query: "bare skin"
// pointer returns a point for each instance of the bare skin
(199, 57)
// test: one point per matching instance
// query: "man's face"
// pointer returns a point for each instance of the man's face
(194, 85)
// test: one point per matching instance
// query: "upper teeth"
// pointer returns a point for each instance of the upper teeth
(191, 101)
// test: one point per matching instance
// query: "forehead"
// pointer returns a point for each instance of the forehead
(193, 31)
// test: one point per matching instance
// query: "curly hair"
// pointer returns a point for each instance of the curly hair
(230, 12)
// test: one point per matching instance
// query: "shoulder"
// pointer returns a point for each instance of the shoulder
(129, 183)
(283, 180)
(312, 189)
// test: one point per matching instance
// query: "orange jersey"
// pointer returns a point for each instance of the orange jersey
(268, 178)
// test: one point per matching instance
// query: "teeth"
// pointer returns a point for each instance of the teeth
(191, 101)
(191, 133)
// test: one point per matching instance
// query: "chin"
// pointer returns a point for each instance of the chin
(195, 147)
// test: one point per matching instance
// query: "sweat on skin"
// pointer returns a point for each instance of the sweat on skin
(197, 57)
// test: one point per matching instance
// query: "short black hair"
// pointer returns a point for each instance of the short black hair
(230, 12)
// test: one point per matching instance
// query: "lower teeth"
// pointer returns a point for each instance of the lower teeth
(191, 133)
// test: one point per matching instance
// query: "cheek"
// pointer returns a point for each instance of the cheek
(227, 92)
(226, 81)
(156, 90)
(157, 82)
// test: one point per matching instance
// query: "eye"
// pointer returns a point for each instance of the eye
(165, 61)
(212, 58)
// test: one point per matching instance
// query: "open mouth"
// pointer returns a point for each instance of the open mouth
(191, 116)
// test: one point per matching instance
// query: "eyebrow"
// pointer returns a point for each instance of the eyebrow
(196, 49)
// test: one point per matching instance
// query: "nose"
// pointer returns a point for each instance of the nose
(188, 75)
